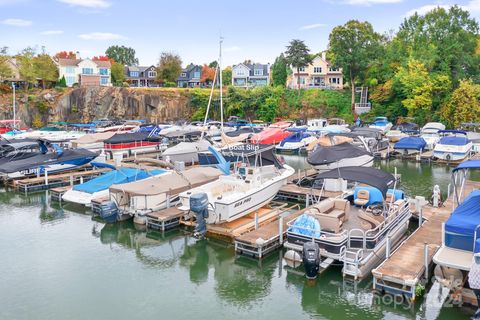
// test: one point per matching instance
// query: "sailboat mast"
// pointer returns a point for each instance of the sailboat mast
(221, 84)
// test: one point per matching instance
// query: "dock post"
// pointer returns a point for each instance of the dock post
(71, 181)
(81, 179)
(280, 230)
(387, 255)
(46, 177)
(425, 256)
(256, 220)
(307, 200)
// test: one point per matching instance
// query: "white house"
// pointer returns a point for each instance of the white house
(85, 72)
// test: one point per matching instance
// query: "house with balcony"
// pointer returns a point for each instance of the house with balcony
(138, 76)
(190, 77)
(319, 74)
(247, 75)
(85, 72)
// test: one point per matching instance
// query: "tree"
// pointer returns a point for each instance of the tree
(101, 58)
(169, 67)
(208, 73)
(44, 68)
(213, 64)
(298, 56)
(26, 67)
(123, 55)
(353, 46)
(279, 71)
(463, 106)
(62, 83)
(227, 76)
(66, 55)
(5, 70)
(118, 73)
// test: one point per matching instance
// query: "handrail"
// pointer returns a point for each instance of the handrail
(475, 237)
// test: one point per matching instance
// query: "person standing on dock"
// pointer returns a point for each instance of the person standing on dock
(474, 281)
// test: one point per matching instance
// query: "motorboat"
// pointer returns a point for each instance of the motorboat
(316, 124)
(374, 138)
(127, 126)
(20, 149)
(92, 141)
(402, 130)
(473, 134)
(337, 122)
(7, 125)
(352, 229)
(452, 146)
(142, 197)
(52, 134)
(186, 151)
(299, 139)
(270, 135)
(338, 156)
(381, 123)
(133, 142)
(410, 145)
(429, 133)
(241, 135)
(48, 162)
(252, 185)
(98, 187)
(182, 132)
(236, 153)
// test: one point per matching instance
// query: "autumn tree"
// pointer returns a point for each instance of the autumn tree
(101, 58)
(463, 105)
(279, 71)
(123, 55)
(353, 46)
(298, 56)
(208, 74)
(169, 67)
(66, 55)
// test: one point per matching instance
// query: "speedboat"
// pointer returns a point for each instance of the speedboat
(45, 161)
(473, 133)
(299, 139)
(316, 124)
(373, 137)
(98, 187)
(274, 134)
(252, 185)
(410, 145)
(381, 123)
(429, 133)
(185, 151)
(452, 146)
(51, 134)
(133, 142)
(338, 156)
(128, 126)
(402, 130)
(352, 229)
(19, 149)
(142, 197)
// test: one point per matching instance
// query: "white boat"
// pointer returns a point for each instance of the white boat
(316, 124)
(452, 146)
(337, 156)
(382, 124)
(250, 187)
(186, 151)
(429, 133)
(300, 138)
(352, 229)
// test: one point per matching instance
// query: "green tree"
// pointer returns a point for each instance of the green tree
(44, 68)
(227, 76)
(298, 56)
(279, 71)
(62, 83)
(26, 66)
(123, 55)
(118, 73)
(213, 64)
(353, 46)
(5, 70)
(169, 67)
(463, 105)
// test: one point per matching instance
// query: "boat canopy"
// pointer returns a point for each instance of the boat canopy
(326, 155)
(252, 151)
(367, 132)
(469, 164)
(453, 131)
(373, 177)
(171, 183)
(460, 227)
(130, 137)
(453, 141)
(297, 137)
(416, 143)
(296, 129)
(119, 176)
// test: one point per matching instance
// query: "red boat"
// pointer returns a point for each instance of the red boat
(273, 134)
(129, 143)
(7, 125)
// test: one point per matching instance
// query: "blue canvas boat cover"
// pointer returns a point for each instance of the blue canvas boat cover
(306, 225)
(460, 227)
(469, 164)
(416, 143)
(375, 195)
(119, 176)
(296, 137)
(453, 141)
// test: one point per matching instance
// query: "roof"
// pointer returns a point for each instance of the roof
(68, 62)
(254, 66)
(102, 64)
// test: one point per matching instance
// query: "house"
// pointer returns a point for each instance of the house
(319, 74)
(85, 72)
(190, 77)
(247, 75)
(138, 76)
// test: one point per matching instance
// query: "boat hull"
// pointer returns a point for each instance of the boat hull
(362, 161)
(452, 153)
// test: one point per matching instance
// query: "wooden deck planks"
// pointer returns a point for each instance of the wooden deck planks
(166, 214)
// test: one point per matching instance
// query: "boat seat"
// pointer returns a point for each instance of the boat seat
(331, 213)
(390, 197)
(369, 220)
(363, 197)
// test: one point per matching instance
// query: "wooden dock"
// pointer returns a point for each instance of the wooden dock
(293, 192)
(165, 219)
(259, 242)
(410, 262)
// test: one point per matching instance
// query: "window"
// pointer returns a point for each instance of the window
(317, 69)
(104, 71)
(87, 70)
(333, 69)
(258, 72)
(301, 69)
(103, 81)
(183, 75)
(240, 72)
(134, 74)
(240, 82)
(70, 70)
(196, 74)
(70, 80)
(152, 74)
(302, 80)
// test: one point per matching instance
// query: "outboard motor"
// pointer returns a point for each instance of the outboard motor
(199, 205)
(311, 259)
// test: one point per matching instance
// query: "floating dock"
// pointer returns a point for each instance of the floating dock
(293, 192)
(165, 219)
(408, 266)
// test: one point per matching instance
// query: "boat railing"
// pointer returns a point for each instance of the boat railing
(475, 237)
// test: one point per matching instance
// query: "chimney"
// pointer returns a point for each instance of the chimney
(324, 55)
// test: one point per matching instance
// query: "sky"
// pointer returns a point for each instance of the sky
(257, 30)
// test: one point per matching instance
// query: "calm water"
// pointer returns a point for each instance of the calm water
(58, 263)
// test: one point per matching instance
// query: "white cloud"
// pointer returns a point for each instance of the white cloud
(231, 49)
(312, 26)
(369, 2)
(99, 4)
(17, 22)
(101, 36)
(473, 6)
(51, 32)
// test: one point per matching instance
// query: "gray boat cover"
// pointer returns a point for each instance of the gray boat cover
(325, 155)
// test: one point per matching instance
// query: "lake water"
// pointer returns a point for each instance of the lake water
(58, 263)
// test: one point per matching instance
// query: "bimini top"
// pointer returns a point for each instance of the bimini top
(326, 155)
(121, 175)
(453, 141)
(366, 132)
(453, 131)
(254, 153)
(416, 143)
(373, 177)
(469, 164)
(460, 227)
